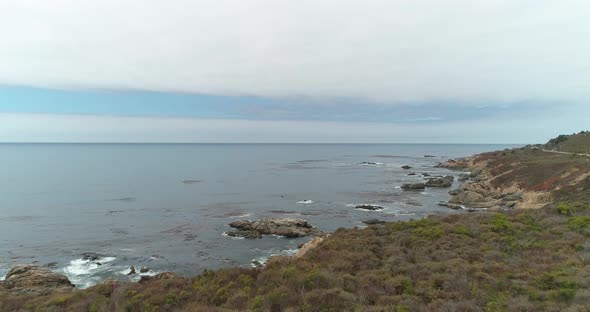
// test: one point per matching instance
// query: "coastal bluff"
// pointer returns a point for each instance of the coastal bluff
(520, 178)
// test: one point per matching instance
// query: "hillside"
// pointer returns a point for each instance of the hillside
(524, 178)
(505, 257)
(575, 143)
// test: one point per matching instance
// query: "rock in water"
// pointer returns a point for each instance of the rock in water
(440, 182)
(413, 186)
(132, 271)
(249, 234)
(463, 177)
(91, 256)
(406, 167)
(369, 207)
(287, 227)
(26, 278)
(369, 163)
(144, 270)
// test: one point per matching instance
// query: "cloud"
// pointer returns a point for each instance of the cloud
(392, 52)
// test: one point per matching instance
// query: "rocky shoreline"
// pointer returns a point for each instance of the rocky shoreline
(482, 191)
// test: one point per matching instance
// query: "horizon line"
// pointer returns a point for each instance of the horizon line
(269, 143)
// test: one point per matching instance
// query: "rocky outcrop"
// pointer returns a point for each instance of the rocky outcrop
(413, 186)
(287, 227)
(440, 182)
(25, 278)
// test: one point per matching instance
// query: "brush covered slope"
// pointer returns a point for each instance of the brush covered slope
(524, 260)
(575, 143)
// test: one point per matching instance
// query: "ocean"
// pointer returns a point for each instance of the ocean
(166, 207)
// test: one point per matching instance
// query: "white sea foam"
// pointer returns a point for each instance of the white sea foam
(224, 234)
(259, 261)
(246, 215)
(305, 202)
(85, 273)
(370, 163)
(85, 267)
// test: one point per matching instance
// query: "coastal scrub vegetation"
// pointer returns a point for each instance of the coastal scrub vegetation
(565, 177)
(575, 143)
(523, 260)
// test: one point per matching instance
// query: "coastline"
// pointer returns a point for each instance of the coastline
(471, 245)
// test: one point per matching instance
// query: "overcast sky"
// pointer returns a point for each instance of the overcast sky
(293, 71)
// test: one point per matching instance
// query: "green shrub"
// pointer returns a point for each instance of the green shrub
(430, 233)
(246, 280)
(462, 230)
(500, 223)
(566, 209)
(257, 303)
(580, 225)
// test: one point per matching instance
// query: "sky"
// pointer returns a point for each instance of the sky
(340, 71)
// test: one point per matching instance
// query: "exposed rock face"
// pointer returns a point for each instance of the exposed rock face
(487, 185)
(249, 234)
(287, 227)
(165, 276)
(455, 164)
(161, 276)
(440, 182)
(413, 186)
(305, 248)
(25, 278)
(369, 207)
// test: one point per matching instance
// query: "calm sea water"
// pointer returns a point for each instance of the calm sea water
(166, 206)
